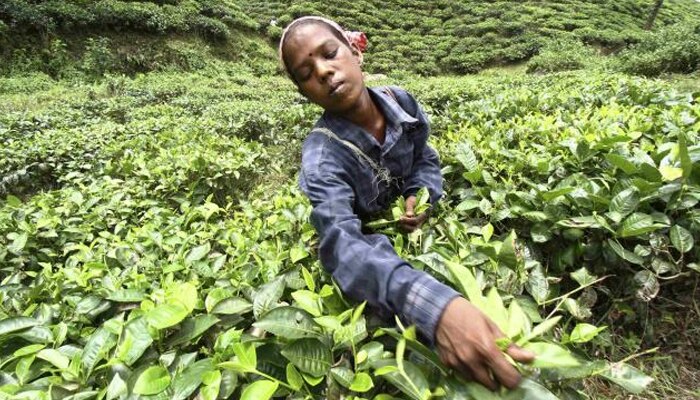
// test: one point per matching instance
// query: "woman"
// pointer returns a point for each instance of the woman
(368, 148)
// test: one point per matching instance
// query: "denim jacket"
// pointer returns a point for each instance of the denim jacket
(344, 189)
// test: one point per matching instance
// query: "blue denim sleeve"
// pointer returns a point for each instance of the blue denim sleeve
(365, 266)
(426, 163)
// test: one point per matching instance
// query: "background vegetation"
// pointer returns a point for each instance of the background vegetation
(433, 37)
(153, 242)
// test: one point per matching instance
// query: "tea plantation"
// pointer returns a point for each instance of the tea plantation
(154, 243)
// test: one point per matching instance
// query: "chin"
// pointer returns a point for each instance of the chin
(352, 97)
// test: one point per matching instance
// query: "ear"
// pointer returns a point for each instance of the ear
(357, 53)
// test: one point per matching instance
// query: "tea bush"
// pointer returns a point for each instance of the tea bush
(675, 48)
(432, 37)
(562, 55)
(155, 17)
(153, 243)
(429, 37)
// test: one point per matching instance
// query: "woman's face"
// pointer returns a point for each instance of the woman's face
(326, 70)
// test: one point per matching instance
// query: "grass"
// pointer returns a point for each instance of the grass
(672, 323)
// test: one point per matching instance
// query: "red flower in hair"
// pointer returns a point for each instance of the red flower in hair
(359, 39)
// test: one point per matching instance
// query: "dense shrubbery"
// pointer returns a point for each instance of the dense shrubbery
(425, 37)
(138, 259)
(674, 48)
(204, 16)
(430, 37)
(130, 54)
(563, 54)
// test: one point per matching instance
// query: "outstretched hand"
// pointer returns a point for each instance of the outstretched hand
(409, 221)
(466, 342)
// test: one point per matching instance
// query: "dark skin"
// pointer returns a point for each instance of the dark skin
(327, 72)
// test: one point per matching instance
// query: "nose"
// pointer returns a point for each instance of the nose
(324, 70)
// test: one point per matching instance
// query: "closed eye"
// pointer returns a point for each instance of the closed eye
(331, 54)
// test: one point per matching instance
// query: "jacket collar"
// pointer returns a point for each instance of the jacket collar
(396, 118)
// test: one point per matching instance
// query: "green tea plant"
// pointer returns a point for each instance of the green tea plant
(433, 37)
(562, 55)
(673, 49)
(468, 36)
(155, 245)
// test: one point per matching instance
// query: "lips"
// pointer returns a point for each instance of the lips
(334, 87)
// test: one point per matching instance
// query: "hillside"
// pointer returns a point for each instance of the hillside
(155, 243)
(430, 37)
(427, 37)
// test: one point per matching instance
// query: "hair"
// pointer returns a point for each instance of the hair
(293, 26)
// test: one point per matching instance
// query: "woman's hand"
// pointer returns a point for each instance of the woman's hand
(409, 221)
(466, 342)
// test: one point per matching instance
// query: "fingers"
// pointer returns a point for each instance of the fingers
(483, 375)
(473, 352)
(407, 228)
(515, 352)
(410, 204)
(410, 223)
(414, 220)
(504, 372)
(452, 361)
(502, 369)
(519, 354)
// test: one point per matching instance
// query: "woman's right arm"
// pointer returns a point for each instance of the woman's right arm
(366, 267)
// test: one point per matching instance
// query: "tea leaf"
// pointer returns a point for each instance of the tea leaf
(197, 253)
(548, 355)
(681, 238)
(289, 323)
(309, 355)
(294, 378)
(152, 381)
(630, 378)
(259, 390)
(583, 333)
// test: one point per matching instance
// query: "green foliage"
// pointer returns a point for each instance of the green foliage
(466, 36)
(674, 48)
(98, 58)
(423, 37)
(562, 55)
(210, 18)
(153, 241)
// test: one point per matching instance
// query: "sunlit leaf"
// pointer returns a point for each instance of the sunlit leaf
(630, 378)
(54, 357)
(583, 333)
(294, 378)
(14, 324)
(197, 253)
(540, 329)
(259, 390)
(117, 388)
(548, 355)
(361, 383)
(134, 341)
(167, 315)
(152, 381)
